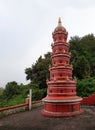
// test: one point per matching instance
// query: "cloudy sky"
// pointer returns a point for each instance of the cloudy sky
(26, 27)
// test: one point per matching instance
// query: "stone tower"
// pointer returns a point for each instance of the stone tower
(61, 99)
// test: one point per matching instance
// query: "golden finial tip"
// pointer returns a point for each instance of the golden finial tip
(59, 22)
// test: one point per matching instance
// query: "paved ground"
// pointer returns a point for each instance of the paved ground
(33, 120)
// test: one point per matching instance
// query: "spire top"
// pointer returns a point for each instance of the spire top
(59, 22)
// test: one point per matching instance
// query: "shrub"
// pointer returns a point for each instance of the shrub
(86, 87)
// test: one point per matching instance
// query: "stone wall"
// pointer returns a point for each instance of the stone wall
(13, 109)
(18, 108)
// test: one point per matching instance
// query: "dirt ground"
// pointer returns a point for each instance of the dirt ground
(33, 120)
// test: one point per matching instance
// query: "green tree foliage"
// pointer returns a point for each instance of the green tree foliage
(86, 87)
(1, 94)
(14, 94)
(1, 91)
(82, 68)
(83, 56)
(11, 89)
(39, 72)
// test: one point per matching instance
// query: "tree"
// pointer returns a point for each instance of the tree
(39, 72)
(86, 87)
(11, 89)
(83, 55)
(1, 90)
(81, 68)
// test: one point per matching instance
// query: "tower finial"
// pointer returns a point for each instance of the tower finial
(59, 22)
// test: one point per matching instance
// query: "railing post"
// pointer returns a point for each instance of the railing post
(27, 103)
(30, 99)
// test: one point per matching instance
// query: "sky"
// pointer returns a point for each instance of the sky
(26, 28)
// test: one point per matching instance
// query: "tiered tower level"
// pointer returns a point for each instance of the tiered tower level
(61, 99)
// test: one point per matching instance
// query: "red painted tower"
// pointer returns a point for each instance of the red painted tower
(61, 99)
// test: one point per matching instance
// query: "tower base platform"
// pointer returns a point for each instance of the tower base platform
(61, 114)
(61, 108)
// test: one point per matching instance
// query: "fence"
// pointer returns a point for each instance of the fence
(18, 108)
